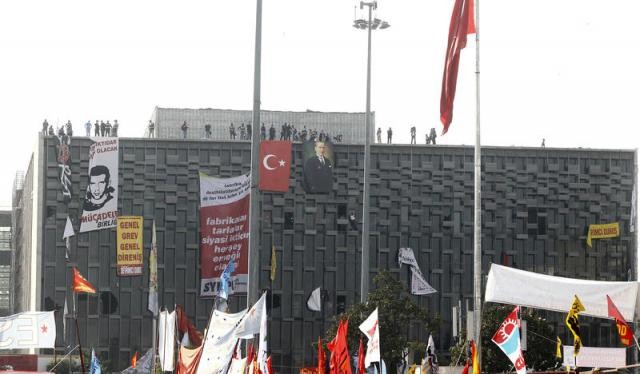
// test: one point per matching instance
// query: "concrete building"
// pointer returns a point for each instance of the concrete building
(537, 205)
(168, 122)
(5, 262)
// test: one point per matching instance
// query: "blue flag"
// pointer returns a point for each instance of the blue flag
(225, 279)
(95, 364)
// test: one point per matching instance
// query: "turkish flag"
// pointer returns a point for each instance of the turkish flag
(275, 165)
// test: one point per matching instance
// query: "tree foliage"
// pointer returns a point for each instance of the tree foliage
(540, 353)
(397, 314)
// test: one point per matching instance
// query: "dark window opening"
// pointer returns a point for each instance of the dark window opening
(288, 220)
(109, 302)
(342, 210)
(341, 304)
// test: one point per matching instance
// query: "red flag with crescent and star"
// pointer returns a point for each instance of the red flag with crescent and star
(275, 165)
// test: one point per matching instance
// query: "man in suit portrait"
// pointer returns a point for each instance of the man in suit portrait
(318, 170)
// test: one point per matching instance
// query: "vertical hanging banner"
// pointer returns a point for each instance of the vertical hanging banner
(129, 246)
(224, 231)
(100, 207)
(64, 155)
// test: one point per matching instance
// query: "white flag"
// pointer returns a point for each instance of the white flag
(371, 329)
(262, 346)
(406, 256)
(167, 339)
(250, 324)
(419, 285)
(65, 313)
(153, 273)
(220, 342)
(238, 366)
(28, 330)
(68, 229)
(315, 300)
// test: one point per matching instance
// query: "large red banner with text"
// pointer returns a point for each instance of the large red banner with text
(224, 232)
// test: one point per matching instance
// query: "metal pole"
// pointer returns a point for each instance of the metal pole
(477, 222)
(253, 282)
(364, 269)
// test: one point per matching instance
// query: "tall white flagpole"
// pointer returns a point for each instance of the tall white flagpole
(477, 224)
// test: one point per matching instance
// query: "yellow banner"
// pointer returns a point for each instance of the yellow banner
(129, 250)
(606, 230)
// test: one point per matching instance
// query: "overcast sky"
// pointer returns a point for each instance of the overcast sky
(567, 70)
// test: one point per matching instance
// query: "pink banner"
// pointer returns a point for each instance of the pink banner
(224, 232)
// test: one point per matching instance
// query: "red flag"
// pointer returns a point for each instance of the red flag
(465, 369)
(361, 358)
(321, 357)
(275, 165)
(462, 23)
(80, 284)
(269, 370)
(251, 354)
(339, 361)
(185, 326)
(134, 359)
(625, 332)
(474, 358)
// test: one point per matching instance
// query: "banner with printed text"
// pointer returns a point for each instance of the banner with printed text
(129, 246)
(100, 207)
(224, 232)
(607, 230)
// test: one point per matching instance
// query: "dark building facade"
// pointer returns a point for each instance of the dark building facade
(537, 204)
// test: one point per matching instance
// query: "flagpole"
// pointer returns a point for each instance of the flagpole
(477, 225)
(253, 282)
(75, 316)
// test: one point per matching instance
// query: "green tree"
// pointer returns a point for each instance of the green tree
(397, 313)
(540, 353)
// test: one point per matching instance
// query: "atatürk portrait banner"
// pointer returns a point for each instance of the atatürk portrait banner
(224, 232)
(100, 207)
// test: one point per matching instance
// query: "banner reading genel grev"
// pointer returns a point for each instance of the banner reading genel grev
(129, 246)
(100, 207)
(224, 231)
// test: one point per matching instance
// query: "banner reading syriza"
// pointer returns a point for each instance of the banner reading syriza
(224, 231)
(100, 207)
(28, 330)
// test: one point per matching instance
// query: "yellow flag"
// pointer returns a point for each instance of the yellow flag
(607, 230)
(573, 325)
(558, 348)
(273, 263)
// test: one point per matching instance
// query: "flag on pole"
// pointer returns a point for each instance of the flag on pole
(321, 357)
(507, 338)
(65, 313)
(339, 361)
(474, 358)
(462, 23)
(371, 329)
(94, 367)
(80, 284)
(269, 370)
(134, 359)
(558, 348)
(166, 339)
(624, 331)
(153, 273)
(188, 360)
(315, 300)
(225, 279)
(191, 335)
(573, 325)
(273, 263)
(361, 358)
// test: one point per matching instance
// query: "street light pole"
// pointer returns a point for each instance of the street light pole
(364, 267)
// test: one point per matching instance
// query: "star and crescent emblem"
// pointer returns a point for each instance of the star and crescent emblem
(265, 162)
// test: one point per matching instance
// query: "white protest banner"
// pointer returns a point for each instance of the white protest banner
(100, 207)
(28, 330)
(595, 357)
(419, 285)
(406, 256)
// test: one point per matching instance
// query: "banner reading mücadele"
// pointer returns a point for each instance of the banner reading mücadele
(129, 246)
(100, 207)
(224, 231)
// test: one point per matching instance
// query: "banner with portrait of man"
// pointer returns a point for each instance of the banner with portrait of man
(100, 207)
(319, 162)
